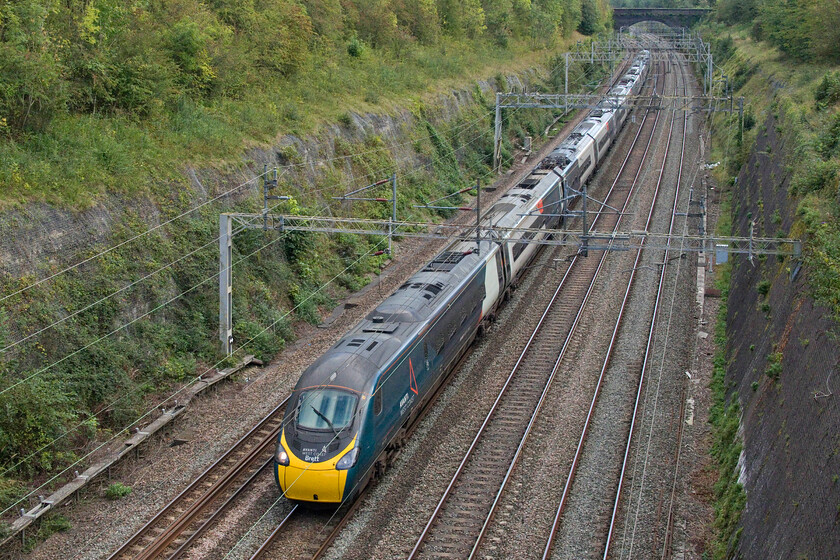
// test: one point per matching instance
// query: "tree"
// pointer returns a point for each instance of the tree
(783, 23)
(462, 17)
(546, 20)
(823, 22)
(571, 16)
(419, 17)
(736, 11)
(590, 20)
(31, 86)
(377, 23)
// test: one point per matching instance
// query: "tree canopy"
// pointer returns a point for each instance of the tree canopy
(804, 29)
(140, 57)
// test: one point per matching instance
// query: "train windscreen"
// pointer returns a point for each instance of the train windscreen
(325, 409)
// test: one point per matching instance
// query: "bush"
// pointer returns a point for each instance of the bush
(356, 47)
(824, 280)
(31, 89)
(828, 91)
(816, 175)
(723, 48)
(262, 341)
(32, 415)
(50, 524)
(117, 491)
(749, 119)
(763, 287)
(10, 491)
(829, 139)
(774, 365)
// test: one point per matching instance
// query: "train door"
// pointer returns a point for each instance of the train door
(506, 257)
(380, 416)
(552, 204)
(493, 283)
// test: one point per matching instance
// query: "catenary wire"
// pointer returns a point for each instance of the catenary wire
(171, 396)
(409, 173)
(394, 368)
(275, 322)
(199, 377)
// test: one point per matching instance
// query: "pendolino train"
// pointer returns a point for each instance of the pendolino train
(351, 409)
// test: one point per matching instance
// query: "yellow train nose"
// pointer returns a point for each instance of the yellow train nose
(312, 482)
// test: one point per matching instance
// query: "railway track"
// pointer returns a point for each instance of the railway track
(651, 331)
(181, 523)
(601, 533)
(312, 526)
(176, 527)
(467, 507)
(309, 527)
(662, 540)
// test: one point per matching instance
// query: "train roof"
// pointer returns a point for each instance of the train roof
(339, 368)
(356, 360)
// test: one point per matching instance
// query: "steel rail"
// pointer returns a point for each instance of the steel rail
(273, 536)
(165, 540)
(172, 532)
(269, 543)
(579, 450)
(325, 545)
(680, 424)
(651, 331)
(515, 369)
(219, 511)
(125, 551)
(557, 364)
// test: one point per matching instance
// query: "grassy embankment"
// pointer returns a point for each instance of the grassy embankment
(803, 96)
(81, 158)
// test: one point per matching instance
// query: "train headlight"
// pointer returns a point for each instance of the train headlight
(281, 456)
(348, 459)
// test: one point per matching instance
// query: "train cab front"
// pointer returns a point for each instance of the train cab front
(317, 447)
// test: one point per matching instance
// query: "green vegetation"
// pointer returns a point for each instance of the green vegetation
(109, 96)
(725, 417)
(49, 525)
(781, 55)
(804, 98)
(117, 490)
(774, 365)
(661, 3)
(806, 30)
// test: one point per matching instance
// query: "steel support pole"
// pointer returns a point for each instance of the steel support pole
(711, 70)
(566, 83)
(393, 213)
(478, 216)
(497, 138)
(225, 283)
